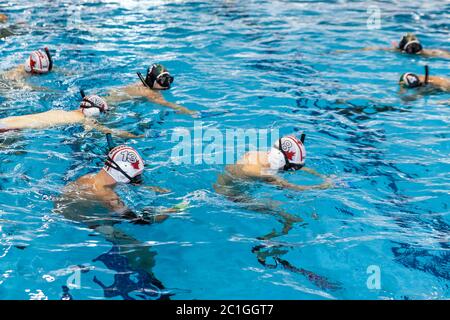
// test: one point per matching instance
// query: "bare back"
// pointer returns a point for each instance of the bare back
(43, 120)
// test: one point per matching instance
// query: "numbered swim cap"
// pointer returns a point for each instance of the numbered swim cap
(39, 62)
(411, 80)
(124, 165)
(288, 153)
(158, 77)
(92, 105)
(410, 44)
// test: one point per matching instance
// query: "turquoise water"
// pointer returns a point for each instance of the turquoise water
(243, 64)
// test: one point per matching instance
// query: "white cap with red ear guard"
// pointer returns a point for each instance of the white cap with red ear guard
(39, 62)
(291, 154)
(124, 165)
(92, 105)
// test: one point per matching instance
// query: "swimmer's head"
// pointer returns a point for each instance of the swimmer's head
(158, 77)
(39, 62)
(288, 153)
(92, 105)
(411, 80)
(124, 165)
(410, 44)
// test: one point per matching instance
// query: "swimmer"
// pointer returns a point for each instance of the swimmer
(157, 79)
(123, 165)
(424, 83)
(410, 44)
(39, 62)
(288, 154)
(91, 106)
(92, 200)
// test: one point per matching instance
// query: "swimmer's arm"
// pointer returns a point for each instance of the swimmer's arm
(161, 101)
(113, 202)
(436, 53)
(280, 182)
(157, 189)
(90, 124)
(367, 49)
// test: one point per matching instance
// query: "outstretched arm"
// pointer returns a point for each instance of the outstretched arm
(159, 99)
(436, 53)
(92, 124)
(278, 181)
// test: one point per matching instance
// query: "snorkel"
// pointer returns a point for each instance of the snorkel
(157, 74)
(50, 60)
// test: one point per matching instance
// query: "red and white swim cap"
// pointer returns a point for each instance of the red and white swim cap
(92, 105)
(39, 62)
(291, 154)
(124, 164)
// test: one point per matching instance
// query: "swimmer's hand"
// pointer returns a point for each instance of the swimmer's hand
(182, 206)
(157, 189)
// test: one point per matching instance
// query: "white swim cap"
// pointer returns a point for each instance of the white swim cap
(92, 105)
(39, 62)
(124, 165)
(291, 154)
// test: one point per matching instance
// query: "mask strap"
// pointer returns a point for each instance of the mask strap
(50, 60)
(110, 162)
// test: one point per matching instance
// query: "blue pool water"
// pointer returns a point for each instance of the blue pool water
(243, 64)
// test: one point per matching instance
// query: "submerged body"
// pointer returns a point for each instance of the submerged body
(138, 90)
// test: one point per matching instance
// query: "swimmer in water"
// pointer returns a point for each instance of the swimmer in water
(157, 79)
(92, 201)
(409, 44)
(425, 83)
(91, 106)
(38, 63)
(288, 154)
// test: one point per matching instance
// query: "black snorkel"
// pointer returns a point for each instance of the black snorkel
(110, 142)
(50, 60)
(427, 74)
(112, 164)
(144, 80)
